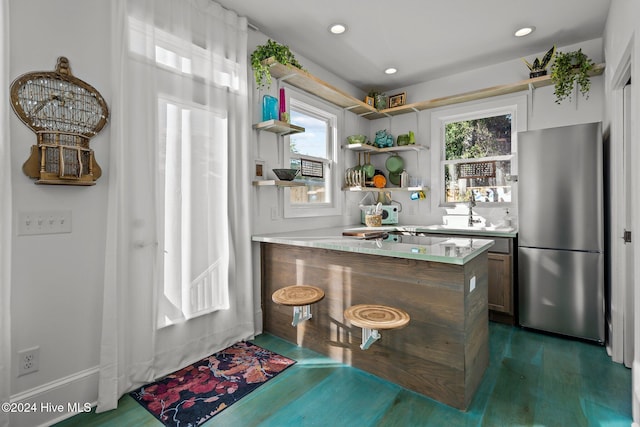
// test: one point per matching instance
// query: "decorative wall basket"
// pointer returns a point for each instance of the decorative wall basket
(65, 113)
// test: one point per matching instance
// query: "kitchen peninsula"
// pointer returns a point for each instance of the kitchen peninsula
(441, 282)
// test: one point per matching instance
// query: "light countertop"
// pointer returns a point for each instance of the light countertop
(426, 248)
(488, 231)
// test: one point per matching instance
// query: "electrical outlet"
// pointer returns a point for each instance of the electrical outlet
(28, 361)
(472, 284)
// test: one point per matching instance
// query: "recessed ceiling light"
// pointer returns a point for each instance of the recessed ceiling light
(524, 31)
(338, 28)
(390, 70)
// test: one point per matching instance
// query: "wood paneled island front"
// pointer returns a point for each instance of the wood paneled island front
(442, 283)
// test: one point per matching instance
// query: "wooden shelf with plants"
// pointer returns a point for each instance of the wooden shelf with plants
(311, 84)
(375, 150)
(378, 190)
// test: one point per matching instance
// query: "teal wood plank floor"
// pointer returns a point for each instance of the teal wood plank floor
(532, 380)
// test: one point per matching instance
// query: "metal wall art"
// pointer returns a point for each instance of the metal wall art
(65, 113)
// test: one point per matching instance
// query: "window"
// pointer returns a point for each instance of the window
(314, 153)
(477, 145)
(192, 191)
(478, 159)
(191, 166)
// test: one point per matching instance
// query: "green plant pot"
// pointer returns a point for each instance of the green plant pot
(538, 73)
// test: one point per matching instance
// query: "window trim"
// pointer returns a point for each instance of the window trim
(514, 105)
(335, 117)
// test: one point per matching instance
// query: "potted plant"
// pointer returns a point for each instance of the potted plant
(539, 66)
(570, 69)
(271, 49)
(379, 99)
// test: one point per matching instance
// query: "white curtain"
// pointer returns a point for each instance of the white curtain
(178, 283)
(5, 215)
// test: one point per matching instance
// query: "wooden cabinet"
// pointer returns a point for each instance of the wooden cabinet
(501, 286)
(501, 283)
(443, 351)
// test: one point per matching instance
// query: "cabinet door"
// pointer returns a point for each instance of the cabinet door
(500, 283)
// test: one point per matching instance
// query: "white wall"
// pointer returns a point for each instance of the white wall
(543, 112)
(267, 201)
(622, 46)
(57, 279)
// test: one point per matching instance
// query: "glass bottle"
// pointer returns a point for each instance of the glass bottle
(269, 108)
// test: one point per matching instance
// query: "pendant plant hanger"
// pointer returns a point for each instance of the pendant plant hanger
(571, 70)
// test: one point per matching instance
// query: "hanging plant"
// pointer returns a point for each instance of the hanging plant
(539, 66)
(568, 70)
(271, 49)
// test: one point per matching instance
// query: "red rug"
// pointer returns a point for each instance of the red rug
(192, 395)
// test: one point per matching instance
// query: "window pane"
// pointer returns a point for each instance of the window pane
(484, 142)
(486, 137)
(312, 142)
(489, 189)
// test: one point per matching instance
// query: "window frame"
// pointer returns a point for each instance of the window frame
(333, 115)
(516, 106)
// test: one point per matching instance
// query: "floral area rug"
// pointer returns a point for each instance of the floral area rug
(192, 395)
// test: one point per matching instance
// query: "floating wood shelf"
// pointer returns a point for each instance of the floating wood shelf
(378, 190)
(311, 84)
(277, 183)
(276, 126)
(375, 150)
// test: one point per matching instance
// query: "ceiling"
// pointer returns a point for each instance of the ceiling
(423, 39)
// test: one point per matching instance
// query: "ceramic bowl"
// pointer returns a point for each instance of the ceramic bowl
(356, 139)
(285, 174)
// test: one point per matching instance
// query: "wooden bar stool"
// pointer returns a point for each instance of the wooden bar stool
(300, 297)
(372, 317)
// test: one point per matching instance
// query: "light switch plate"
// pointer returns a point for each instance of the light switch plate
(44, 222)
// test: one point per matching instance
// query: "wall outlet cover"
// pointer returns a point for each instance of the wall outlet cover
(28, 361)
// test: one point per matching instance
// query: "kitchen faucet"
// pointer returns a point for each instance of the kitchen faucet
(472, 203)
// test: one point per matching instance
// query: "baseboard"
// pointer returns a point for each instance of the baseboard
(55, 401)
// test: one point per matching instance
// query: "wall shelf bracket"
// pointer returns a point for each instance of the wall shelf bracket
(301, 313)
(369, 336)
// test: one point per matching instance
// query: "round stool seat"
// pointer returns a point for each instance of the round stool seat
(376, 316)
(297, 295)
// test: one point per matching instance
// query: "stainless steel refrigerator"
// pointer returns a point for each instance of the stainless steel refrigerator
(560, 231)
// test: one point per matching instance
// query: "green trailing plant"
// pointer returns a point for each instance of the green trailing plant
(539, 66)
(568, 70)
(280, 53)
